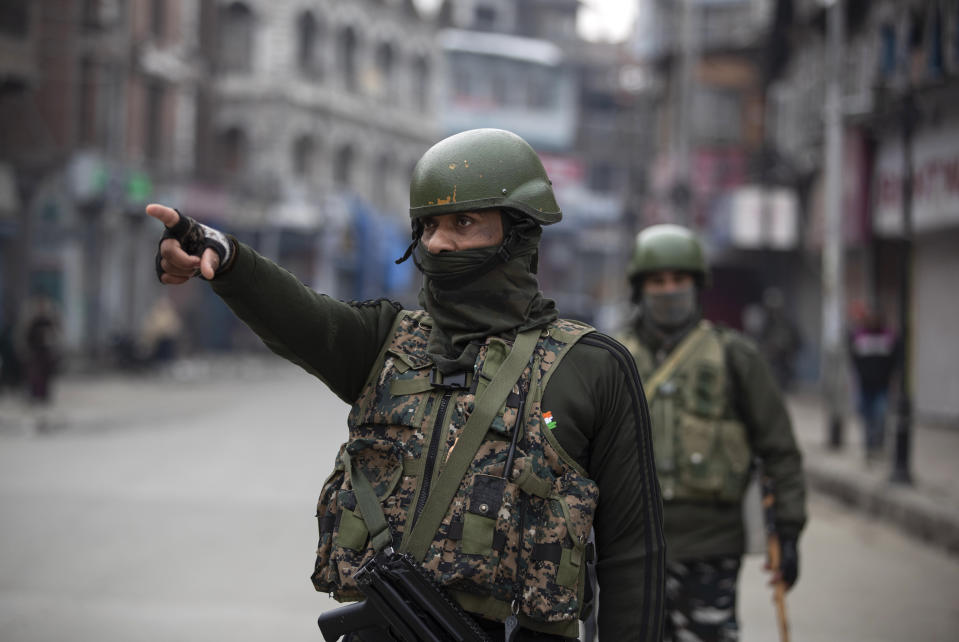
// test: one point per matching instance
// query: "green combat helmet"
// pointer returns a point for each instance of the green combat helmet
(668, 247)
(481, 169)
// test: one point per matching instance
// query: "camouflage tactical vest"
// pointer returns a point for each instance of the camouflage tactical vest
(516, 541)
(702, 451)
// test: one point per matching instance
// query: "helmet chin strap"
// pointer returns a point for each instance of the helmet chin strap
(417, 233)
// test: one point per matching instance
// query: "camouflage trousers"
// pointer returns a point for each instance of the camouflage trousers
(701, 600)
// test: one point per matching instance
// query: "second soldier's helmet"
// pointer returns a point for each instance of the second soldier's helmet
(481, 169)
(668, 247)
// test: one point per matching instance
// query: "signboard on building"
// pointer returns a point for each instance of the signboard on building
(935, 194)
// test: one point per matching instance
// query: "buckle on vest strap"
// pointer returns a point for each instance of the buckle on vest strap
(453, 381)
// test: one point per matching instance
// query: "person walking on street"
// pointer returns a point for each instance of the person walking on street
(715, 409)
(487, 436)
(875, 354)
(38, 342)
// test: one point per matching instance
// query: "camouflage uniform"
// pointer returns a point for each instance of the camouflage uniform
(716, 411)
(428, 461)
(701, 600)
(506, 538)
(597, 419)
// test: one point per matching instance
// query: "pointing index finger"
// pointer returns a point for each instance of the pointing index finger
(166, 215)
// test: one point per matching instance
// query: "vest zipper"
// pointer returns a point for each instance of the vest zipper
(436, 437)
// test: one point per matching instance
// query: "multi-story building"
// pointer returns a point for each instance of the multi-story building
(312, 115)
(294, 122)
(98, 114)
(898, 80)
(521, 66)
(711, 166)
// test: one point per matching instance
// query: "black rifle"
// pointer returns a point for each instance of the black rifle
(402, 603)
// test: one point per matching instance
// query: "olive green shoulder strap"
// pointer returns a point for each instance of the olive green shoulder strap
(685, 348)
(417, 540)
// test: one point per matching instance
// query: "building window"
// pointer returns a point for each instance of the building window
(385, 62)
(955, 34)
(499, 87)
(717, 115)
(343, 169)
(154, 117)
(347, 58)
(934, 48)
(484, 18)
(100, 14)
(308, 58)
(887, 51)
(421, 83)
(304, 156)
(158, 18)
(15, 18)
(232, 150)
(602, 177)
(542, 88)
(87, 113)
(235, 51)
(382, 181)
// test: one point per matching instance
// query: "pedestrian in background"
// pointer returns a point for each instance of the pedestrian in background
(875, 353)
(160, 332)
(38, 344)
(715, 409)
(512, 544)
(778, 338)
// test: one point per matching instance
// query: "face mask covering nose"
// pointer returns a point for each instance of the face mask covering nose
(670, 310)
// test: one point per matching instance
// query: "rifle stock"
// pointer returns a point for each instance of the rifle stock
(401, 603)
(338, 622)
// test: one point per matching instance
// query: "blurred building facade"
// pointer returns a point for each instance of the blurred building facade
(292, 123)
(520, 65)
(710, 165)
(100, 118)
(741, 157)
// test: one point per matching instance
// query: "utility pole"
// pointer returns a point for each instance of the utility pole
(833, 361)
(909, 115)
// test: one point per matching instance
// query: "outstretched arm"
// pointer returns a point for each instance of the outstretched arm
(335, 341)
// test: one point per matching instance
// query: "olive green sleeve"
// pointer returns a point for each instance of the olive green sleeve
(335, 341)
(761, 406)
(603, 423)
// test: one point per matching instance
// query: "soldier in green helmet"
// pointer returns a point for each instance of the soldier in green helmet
(487, 436)
(716, 412)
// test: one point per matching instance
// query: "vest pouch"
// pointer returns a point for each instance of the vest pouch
(327, 510)
(701, 467)
(481, 552)
(555, 531)
(381, 462)
(479, 520)
(550, 582)
(351, 530)
(664, 407)
(736, 451)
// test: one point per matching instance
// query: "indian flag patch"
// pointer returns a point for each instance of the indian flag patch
(548, 420)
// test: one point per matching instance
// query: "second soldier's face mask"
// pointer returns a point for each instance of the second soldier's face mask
(670, 310)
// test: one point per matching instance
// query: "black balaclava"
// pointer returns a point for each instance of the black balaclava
(482, 292)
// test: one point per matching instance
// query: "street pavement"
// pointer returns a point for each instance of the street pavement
(178, 506)
(927, 508)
